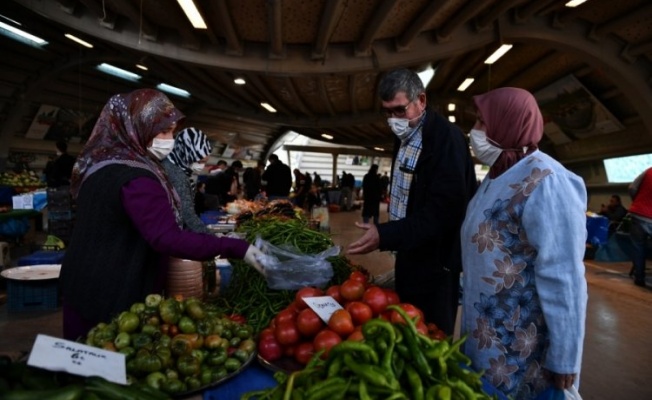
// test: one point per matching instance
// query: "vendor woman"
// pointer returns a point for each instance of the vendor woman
(128, 222)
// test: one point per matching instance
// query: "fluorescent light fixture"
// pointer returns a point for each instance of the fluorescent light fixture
(142, 66)
(268, 107)
(379, 149)
(119, 72)
(78, 40)
(574, 3)
(21, 35)
(327, 136)
(426, 75)
(451, 118)
(498, 53)
(173, 90)
(451, 107)
(192, 13)
(467, 82)
(239, 81)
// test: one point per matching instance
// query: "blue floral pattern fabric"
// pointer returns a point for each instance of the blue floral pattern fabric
(508, 330)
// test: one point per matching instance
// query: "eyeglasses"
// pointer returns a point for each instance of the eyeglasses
(398, 111)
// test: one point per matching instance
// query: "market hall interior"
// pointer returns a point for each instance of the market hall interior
(617, 346)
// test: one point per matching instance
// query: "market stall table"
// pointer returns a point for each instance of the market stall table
(15, 224)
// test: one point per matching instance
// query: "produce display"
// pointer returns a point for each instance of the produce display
(388, 360)
(18, 381)
(28, 179)
(175, 345)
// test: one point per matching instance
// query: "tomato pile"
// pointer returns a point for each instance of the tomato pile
(176, 345)
(298, 332)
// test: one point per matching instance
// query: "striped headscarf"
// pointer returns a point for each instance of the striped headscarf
(513, 122)
(127, 124)
(190, 145)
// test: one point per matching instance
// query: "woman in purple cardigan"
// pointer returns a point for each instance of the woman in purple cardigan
(128, 222)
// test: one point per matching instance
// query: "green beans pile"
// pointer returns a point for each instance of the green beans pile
(393, 362)
(279, 230)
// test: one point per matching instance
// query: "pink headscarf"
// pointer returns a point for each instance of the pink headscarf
(121, 134)
(513, 122)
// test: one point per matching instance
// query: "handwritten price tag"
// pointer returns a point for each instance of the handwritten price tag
(323, 306)
(56, 354)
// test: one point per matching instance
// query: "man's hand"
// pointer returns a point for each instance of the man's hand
(562, 381)
(252, 256)
(368, 242)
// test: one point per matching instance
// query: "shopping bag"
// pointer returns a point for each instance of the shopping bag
(286, 268)
(572, 394)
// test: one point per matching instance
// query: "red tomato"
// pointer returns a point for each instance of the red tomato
(439, 335)
(266, 333)
(376, 299)
(351, 290)
(288, 351)
(392, 297)
(309, 323)
(269, 349)
(334, 292)
(422, 328)
(357, 335)
(432, 327)
(306, 292)
(358, 277)
(286, 333)
(238, 318)
(341, 323)
(360, 312)
(304, 352)
(410, 310)
(325, 340)
(285, 315)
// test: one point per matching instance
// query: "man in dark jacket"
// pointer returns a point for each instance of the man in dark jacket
(433, 179)
(58, 173)
(277, 179)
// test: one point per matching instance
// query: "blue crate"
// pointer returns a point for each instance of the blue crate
(42, 257)
(32, 295)
(60, 215)
(211, 217)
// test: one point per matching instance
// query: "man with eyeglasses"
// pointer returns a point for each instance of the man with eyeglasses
(432, 180)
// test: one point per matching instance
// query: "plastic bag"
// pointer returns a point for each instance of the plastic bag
(572, 394)
(287, 269)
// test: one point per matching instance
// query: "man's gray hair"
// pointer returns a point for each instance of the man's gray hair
(400, 80)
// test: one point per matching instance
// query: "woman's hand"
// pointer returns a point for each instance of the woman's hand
(562, 381)
(252, 256)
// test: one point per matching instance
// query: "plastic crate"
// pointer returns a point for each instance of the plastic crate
(43, 257)
(32, 295)
(211, 217)
(64, 215)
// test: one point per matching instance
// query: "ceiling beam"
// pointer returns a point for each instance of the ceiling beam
(363, 46)
(601, 30)
(323, 95)
(267, 95)
(526, 12)
(234, 45)
(334, 150)
(275, 12)
(135, 16)
(106, 17)
(333, 13)
(483, 21)
(463, 69)
(432, 10)
(469, 10)
(289, 84)
(352, 93)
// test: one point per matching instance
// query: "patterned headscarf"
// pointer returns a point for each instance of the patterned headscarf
(127, 124)
(514, 123)
(191, 145)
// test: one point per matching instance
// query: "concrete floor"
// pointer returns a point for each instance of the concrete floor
(617, 349)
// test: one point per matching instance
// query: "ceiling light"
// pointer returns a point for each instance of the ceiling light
(574, 3)
(268, 107)
(451, 118)
(426, 75)
(379, 149)
(21, 35)
(173, 90)
(192, 13)
(239, 81)
(451, 107)
(142, 66)
(78, 40)
(119, 72)
(498, 53)
(327, 136)
(467, 82)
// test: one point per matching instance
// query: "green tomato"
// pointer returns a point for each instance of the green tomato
(232, 364)
(155, 379)
(187, 325)
(122, 340)
(128, 322)
(137, 308)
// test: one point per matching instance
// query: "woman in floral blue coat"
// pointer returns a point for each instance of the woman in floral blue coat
(523, 241)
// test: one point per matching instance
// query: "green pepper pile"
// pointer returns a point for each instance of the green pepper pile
(393, 361)
(176, 345)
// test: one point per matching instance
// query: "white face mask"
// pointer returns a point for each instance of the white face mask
(197, 167)
(160, 148)
(482, 148)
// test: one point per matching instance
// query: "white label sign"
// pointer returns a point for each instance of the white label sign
(56, 354)
(324, 306)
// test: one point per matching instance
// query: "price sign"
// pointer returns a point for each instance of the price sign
(56, 354)
(323, 306)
